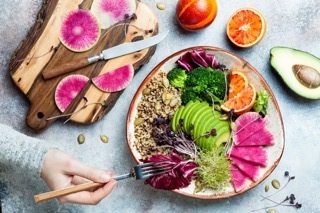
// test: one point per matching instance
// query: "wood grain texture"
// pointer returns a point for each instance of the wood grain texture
(65, 68)
(42, 51)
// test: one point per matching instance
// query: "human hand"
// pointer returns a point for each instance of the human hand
(59, 170)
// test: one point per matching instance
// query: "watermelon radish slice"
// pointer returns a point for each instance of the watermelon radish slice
(68, 89)
(247, 125)
(115, 80)
(246, 168)
(260, 138)
(238, 179)
(253, 155)
(79, 31)
(110, 12)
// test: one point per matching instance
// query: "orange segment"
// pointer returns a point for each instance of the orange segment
(241, 102)
(246, 27)
(237, 82)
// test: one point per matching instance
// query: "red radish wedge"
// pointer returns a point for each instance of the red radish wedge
(238, 179)
(250, 170)
(253, 155)
(68, 89)
(260, 138)
(115, 80)
(79, 31)
(110, 12)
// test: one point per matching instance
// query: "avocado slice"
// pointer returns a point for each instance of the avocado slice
(220, 126)
(299, 70)
(188, 113)
(202, 118)
(213, 141)
(183, 113)
(195, 114)
(176, 119)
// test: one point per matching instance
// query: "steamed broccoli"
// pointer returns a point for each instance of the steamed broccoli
(177, 77)
(203, 83)
(189, 95)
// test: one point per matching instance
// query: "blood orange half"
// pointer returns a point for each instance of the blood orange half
(246, 27)
(241, 102)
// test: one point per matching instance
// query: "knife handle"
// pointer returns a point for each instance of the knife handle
(65, 68)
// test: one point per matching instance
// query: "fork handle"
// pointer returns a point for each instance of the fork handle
(74, 189)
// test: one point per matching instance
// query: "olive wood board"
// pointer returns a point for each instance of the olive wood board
(42, 50)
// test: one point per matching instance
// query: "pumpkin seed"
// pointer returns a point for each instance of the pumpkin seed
(104, 139)
(158, 106)
(166, 82)
(266, 188)
(272, 211)
(275, 183)
(138, 121)
(161, 6)
(146, 91)
(174, 102)
(81, 139)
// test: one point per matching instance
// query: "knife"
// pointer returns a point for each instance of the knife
(114, 52)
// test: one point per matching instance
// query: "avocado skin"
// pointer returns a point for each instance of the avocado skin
(282, 59)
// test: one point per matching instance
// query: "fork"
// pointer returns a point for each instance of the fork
(139, 172)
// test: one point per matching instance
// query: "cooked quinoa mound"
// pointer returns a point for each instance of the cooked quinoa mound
(159, 99)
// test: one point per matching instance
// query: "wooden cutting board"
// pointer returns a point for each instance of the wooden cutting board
(42, 50)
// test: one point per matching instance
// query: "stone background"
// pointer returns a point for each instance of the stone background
(292, 23)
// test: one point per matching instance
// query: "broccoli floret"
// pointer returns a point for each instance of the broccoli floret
(189, 95)
(177, 77)
(206, 80)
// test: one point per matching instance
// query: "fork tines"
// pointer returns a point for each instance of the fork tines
(148, 170)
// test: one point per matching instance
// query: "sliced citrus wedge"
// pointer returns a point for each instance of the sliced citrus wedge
(246, 27)
(237, 82)
(241, 102)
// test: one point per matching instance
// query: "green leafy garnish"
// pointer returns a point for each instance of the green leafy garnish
(213, 170)
(261, 103)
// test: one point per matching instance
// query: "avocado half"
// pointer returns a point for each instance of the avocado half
(299, 70)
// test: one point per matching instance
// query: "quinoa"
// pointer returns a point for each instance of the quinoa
(159, 99)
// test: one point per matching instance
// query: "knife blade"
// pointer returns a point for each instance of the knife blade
(107, 54)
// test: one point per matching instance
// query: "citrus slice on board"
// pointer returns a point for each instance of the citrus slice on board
(246, 27)
(237, 82)
(241, 102)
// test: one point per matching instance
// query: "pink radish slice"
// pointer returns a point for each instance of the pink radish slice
(115, 80)
(238, 179)
(68, 89)
(110, 12)
(80, 30)
(248, 169)
(260, 138)
(247, 125)
(253, 155)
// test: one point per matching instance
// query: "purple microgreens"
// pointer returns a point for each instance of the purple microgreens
(290, 199)
(290, 178)
(179, 141)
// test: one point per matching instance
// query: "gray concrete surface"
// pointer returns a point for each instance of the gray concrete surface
(292, 23)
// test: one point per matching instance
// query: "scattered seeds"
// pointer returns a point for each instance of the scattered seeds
(161, 6)
(275, 183)
(266, 188)
(104, 138)
(146, 91)
(81, 139)
(272, 211)
(138, 121)
(174, 102)
(166, 82)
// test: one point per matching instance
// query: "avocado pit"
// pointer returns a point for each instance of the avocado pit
(307, 76)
